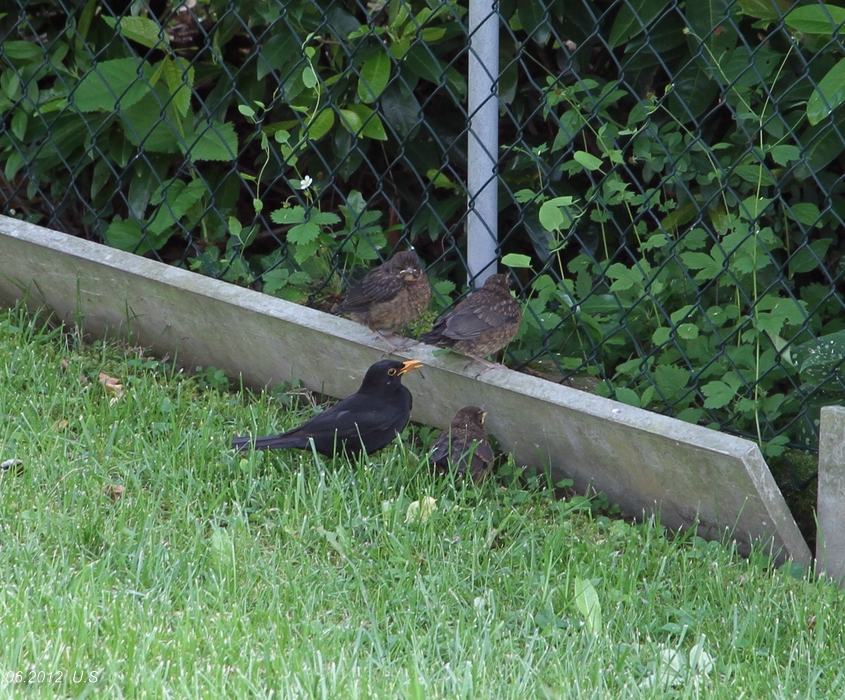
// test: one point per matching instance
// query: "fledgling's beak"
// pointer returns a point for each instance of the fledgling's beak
(410, 366)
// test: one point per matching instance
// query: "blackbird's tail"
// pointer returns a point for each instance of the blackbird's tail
(270, 442)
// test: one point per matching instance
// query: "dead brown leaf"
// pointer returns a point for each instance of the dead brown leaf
(114, 491)
(112, 384)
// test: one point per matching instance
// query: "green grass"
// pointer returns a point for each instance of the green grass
(278, 574)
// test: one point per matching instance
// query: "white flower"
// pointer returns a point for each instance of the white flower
(305, 182)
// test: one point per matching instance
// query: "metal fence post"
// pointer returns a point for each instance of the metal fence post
(483, 137)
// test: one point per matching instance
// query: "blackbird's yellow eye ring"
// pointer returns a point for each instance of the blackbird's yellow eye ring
(391, 372)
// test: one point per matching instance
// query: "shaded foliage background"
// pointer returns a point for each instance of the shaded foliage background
(670, 177)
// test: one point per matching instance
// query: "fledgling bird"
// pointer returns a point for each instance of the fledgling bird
(464, 446)
(391, 296)
(482, 324)
(368, 419)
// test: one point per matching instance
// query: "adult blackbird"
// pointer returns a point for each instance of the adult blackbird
(464, 446)
(368, 419)
(481, 324)
(391, 296)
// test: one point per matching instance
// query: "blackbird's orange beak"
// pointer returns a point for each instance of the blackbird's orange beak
(410, 366)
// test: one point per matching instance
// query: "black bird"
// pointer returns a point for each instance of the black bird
(481, 324)
(369, 419)
(391, 296)
(464, 446)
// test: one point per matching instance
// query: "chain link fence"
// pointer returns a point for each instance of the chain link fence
(670, 174)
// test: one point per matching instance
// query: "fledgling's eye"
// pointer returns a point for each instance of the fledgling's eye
(391, 372)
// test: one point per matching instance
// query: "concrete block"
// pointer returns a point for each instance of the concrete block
(645, 462)
(830, 543)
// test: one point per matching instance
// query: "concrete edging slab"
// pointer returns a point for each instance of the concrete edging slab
(643, 461)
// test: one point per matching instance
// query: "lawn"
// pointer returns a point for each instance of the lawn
(140, 557)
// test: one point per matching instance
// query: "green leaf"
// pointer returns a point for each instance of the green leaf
(804, 212)
(141, 29)
(309, 77)
(375, 74)
(755, 174)
(633, 18)
(351, 121)
(323, 218)
(143, 124)
(374, 128)
(534, 20)
(517, 260)
(718, 393)
(275, 280)
(809, 257)
(821, 358)
(821, 144)
(179, 77)
(113, 85)
(661, 335)
(19, 122)
(821, 18)
(288, 215)
(693, 91)
(711, 24)
(180, 197)
(555, 214)
(627, 396)
(625, 277)
(753, 207)
(589, 161)
(709, 267)
(671, 380)
(277, 51)
(126, 235)
(321, 125)
(303, 233)
(362, 122)
(588, 605)
(24, 51)
(829, 93)
(783, 155)
(422, 63)
(217, 142)
(764, 9)
(688, 331)
(430, 35)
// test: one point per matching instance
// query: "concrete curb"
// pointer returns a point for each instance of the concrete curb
(643, 461)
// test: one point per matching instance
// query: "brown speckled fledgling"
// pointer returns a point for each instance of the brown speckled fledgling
(390, 296)
(482, 324)
(464, 446)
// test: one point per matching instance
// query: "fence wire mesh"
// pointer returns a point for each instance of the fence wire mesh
(670, 175)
